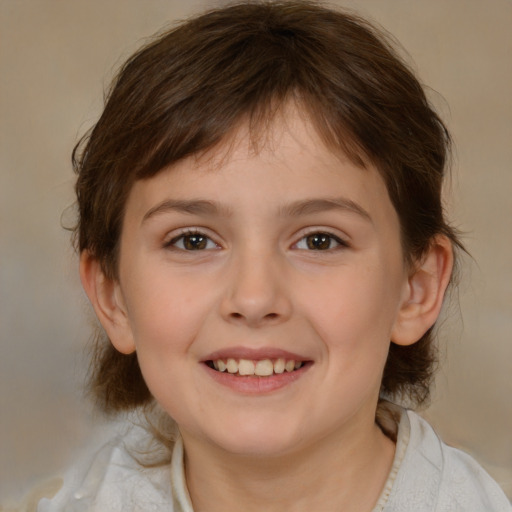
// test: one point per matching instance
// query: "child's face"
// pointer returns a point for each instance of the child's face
(289, 253)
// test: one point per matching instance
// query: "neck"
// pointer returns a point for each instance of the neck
(331, 475)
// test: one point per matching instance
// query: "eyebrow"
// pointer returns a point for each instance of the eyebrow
(295, 209)
(192, 207)
(309, 206)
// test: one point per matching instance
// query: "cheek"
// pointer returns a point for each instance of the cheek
(165, 325)
(167, 313)
(354, 318)
(355, 307)
(167, 307)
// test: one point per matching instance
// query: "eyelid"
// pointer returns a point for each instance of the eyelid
(171, 239)
(341, 240)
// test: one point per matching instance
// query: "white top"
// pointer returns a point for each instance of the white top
(426, 476)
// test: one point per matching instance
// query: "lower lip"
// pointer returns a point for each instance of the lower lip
(254, 385)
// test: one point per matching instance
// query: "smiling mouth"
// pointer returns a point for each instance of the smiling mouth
(257, 368)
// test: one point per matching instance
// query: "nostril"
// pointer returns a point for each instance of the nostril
(269, 316)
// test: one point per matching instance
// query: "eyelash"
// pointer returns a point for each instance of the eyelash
(325, 238)
(188, 234)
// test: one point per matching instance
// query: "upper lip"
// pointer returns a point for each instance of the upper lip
(254, 354)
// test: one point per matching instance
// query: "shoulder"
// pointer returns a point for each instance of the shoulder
(437, 477)
(111, 478)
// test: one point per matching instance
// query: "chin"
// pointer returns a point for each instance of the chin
(259, 447)
(257, 439)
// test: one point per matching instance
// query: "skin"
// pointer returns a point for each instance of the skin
(255, 283)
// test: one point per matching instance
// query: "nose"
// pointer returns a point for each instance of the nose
(256, 292)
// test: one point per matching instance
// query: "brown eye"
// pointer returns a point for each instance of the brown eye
(195, 242)
(319, 242)
(192, 242)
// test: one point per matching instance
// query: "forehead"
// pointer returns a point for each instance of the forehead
(284, 165)
(269, 132)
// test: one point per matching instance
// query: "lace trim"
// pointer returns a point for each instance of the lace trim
(389, 415)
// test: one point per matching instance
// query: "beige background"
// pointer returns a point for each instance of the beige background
(56, 57)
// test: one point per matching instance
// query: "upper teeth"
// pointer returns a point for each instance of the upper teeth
(261, 368)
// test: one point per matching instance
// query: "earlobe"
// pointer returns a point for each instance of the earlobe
(424, 294)
(106, 298)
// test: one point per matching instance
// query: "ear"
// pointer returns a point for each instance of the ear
(107, 300)
(424, 293)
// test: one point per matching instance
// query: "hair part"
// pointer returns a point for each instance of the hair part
(188, 90)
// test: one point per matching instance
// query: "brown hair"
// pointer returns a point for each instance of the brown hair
(187, 90)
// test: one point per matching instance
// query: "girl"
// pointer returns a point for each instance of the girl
(262, 238)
